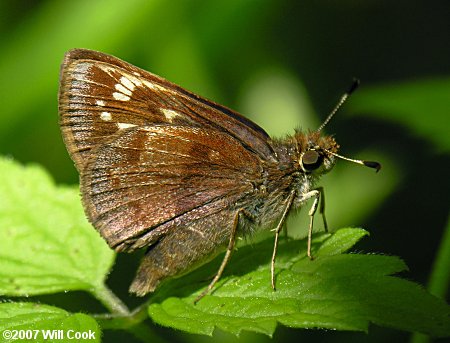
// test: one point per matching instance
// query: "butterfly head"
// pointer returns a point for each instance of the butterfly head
(316, 152)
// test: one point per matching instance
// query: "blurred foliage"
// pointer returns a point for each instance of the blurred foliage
(284, 64)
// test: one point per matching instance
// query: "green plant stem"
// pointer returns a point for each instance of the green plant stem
(131, 322)
(110, 301)
(438, 282)
(123, 321)
(440, 275)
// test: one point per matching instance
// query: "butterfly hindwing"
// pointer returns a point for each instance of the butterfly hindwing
(149, 179)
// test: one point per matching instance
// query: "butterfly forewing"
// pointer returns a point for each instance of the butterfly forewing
(101, 95)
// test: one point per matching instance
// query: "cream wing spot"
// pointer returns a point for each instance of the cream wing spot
(135, 80)
(120, 96)
(100, 103)
(170, 114)
(122, 126)
(148, 84)
(127, 83)
(106, 116)
(121, 88)
(153, 86)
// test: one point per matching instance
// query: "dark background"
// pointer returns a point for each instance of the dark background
(284, 64)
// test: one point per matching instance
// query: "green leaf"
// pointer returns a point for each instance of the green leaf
(421, 105)
(46, 243)
(39, 320)
(334, 291)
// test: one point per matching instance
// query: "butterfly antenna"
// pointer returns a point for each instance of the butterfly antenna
(343, 99)
(370, 164)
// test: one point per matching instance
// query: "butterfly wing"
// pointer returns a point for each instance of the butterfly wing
(149, 179)
(100, 95)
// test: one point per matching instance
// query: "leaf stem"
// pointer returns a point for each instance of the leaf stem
(123, 321)
(110, 301)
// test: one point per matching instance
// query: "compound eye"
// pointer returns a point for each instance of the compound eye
(311, 160)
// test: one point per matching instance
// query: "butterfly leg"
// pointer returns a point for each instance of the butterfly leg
(316, 195)
(277, 230)
(322, 207)
(225, 260)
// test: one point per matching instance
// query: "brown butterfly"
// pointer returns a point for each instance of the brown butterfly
(163, 168)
